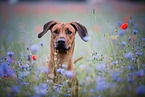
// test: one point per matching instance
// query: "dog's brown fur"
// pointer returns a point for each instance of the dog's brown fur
(59, 57)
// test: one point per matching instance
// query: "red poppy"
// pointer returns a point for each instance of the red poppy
(6, 75)
(124, 26)
(34, 57)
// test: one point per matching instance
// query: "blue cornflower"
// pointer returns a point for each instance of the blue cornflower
(129, 79)
(69, 73)
(68, 95)
(92, 90)
(62, 71)
(135, 31)
(59, 70)
(143, 39)
(123, 43)
(115, 62)
(123, 67)
(140, 90)
(41, 43)
(86, 38)
(101, 85)
(6, 71)
(59, 85)
(16, 89)
(57, 90)
(54, 86)
(10, 60)
(24, 83)
(34, 48)
(40, 91)
(4, 68)
(64, 83)
(10, 53)
(131, 74)
(64, 66)
(140, 73)
(129, 55)
(129, 38)
(44, 86)
(137, 53)
(141, 54)
(131, 67)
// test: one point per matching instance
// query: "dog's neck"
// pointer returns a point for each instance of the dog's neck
(65, 57)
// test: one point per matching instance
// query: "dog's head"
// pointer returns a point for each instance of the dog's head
(63, 34)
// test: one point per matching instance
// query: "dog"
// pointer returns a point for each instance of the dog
(62, 46)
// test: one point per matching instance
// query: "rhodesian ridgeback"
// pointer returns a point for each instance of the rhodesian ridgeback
(62, 46)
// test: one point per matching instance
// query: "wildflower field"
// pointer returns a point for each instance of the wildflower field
(113, 63)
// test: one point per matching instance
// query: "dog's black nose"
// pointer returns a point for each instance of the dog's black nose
(61, 41)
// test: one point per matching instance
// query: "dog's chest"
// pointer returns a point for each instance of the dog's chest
(63, 58)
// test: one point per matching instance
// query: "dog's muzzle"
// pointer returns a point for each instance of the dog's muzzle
(61, 44)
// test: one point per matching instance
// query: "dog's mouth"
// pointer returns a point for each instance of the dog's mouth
(62, 47)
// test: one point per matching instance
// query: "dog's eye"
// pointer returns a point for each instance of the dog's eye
(56, 31)
(69, 32)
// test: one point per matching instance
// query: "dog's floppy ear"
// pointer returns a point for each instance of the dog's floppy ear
(82, 30)
(46, 27)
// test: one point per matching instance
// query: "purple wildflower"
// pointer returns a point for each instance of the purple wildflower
(69, 73)
(59, 85)
(129, 79)
(123, 43)
(40, 91)
(129, 38)
(10, 53)
(68, 95)
(129, 55)
(140, 90)
(92, 90)
(41, 43)
(16, 89)
(64, 83)
(24, 83)
(64, 66)
(135, 31)
(101, 84)
(86, 38)
(143, 39)
(59, 70)
(137, 53)
(4, 68)
(34, 48)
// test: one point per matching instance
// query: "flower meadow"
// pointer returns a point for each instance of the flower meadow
(113, 63)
